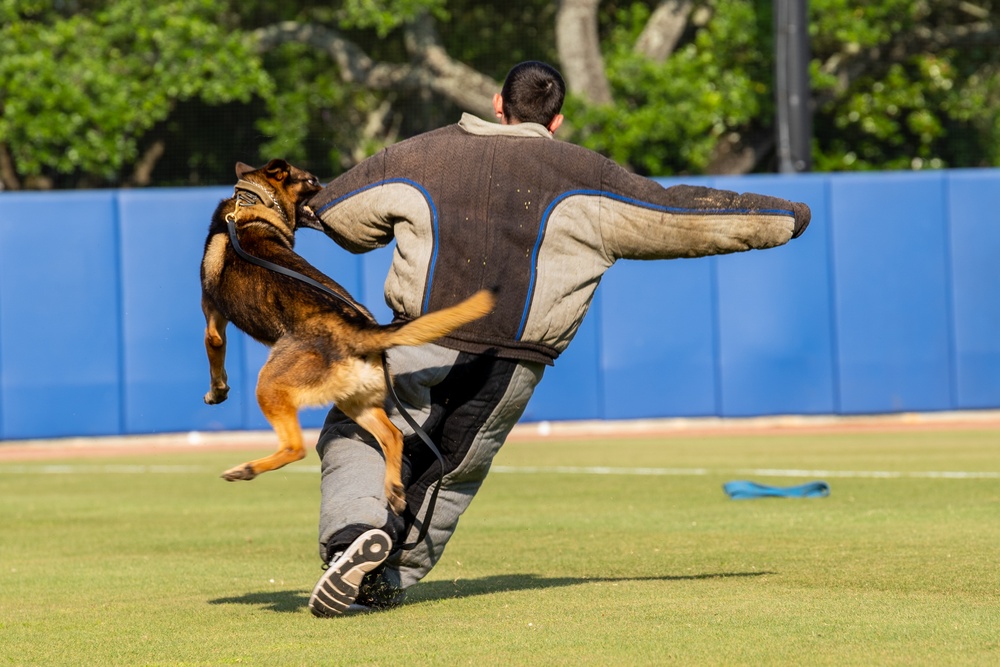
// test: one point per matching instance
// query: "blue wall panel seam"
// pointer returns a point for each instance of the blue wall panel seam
(359, 272)
(246, 407)
(600, 388)
(716, 310)
(120, 304)
(2, 427)
(949, 295)
(832, 297)
(716, 335)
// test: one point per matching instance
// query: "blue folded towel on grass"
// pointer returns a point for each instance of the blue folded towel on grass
(743, 490)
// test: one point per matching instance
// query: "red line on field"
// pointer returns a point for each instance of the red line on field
(63, 448)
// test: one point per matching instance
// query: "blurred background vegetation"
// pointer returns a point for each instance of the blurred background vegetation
(122, 93)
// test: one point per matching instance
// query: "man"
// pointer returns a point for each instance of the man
(485, 205)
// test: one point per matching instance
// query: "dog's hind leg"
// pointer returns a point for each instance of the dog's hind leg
(375, 421)
(277, 395)
(215, 346)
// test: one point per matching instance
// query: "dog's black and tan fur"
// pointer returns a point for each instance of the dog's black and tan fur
(322, 349)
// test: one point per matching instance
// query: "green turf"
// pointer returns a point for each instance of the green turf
(154, 560)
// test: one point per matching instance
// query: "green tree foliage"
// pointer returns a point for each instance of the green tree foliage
(115, 92)
(898, 84)
(322, 118)
(905, 84)
(81, 86)
(669, 117)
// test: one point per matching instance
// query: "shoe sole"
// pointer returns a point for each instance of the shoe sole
(338, 588)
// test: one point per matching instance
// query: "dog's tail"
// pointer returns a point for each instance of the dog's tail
(432, 326)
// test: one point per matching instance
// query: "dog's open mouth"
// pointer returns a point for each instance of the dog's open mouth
(306, 217)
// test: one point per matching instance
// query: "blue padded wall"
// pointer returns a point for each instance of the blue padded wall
(775, 327)
(892, 287)
(658, 339)
(374, 268)
(166, 371)
(60, 326)
(889, 303)
(974, 212)
(571, 389)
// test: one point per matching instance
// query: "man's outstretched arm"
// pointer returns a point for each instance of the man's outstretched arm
(648, 221)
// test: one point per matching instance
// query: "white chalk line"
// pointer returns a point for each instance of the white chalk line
(762, 472)
(57, 469)
(82, 469)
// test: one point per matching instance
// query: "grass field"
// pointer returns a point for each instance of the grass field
(587, 552)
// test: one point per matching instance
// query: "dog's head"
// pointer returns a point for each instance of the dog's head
(279, 184)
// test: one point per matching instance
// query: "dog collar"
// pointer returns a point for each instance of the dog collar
(248, 193)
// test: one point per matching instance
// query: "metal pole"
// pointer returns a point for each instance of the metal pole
(792, 93)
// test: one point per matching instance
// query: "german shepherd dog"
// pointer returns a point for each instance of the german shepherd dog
(323, 349)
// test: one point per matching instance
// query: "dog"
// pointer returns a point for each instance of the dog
(324, 349)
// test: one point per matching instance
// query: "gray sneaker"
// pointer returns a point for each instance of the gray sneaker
(338, 588)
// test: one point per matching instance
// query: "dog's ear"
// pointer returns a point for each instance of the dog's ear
(277, 170)
(242, 169)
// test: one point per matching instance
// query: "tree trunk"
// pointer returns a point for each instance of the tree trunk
(142, 174)
(466, 87)
(580, 51)
(735, 154)
(664, 29)
(8, 174)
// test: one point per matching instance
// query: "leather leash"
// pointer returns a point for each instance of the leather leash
(277, 268)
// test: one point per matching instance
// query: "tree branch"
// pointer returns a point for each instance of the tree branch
(433, 70)
(468, 88)
(850, 64)
(663, 30)
(142, 174)
(355, 65)
(972, 34)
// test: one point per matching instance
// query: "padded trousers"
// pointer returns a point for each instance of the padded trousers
(467, 404)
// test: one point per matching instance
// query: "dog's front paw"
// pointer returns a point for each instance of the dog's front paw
(217, 395)
(397, 499)
(244, 471)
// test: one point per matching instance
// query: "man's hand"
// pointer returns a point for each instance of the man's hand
(802, 217)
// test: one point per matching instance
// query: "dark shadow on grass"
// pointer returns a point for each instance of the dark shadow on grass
(429, 591)
(279, 601)
(503, 583)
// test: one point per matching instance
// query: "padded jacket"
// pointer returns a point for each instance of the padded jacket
(506, 207)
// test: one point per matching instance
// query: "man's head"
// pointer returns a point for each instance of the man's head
(533, 92)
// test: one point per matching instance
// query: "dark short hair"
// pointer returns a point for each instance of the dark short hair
(533, 92)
